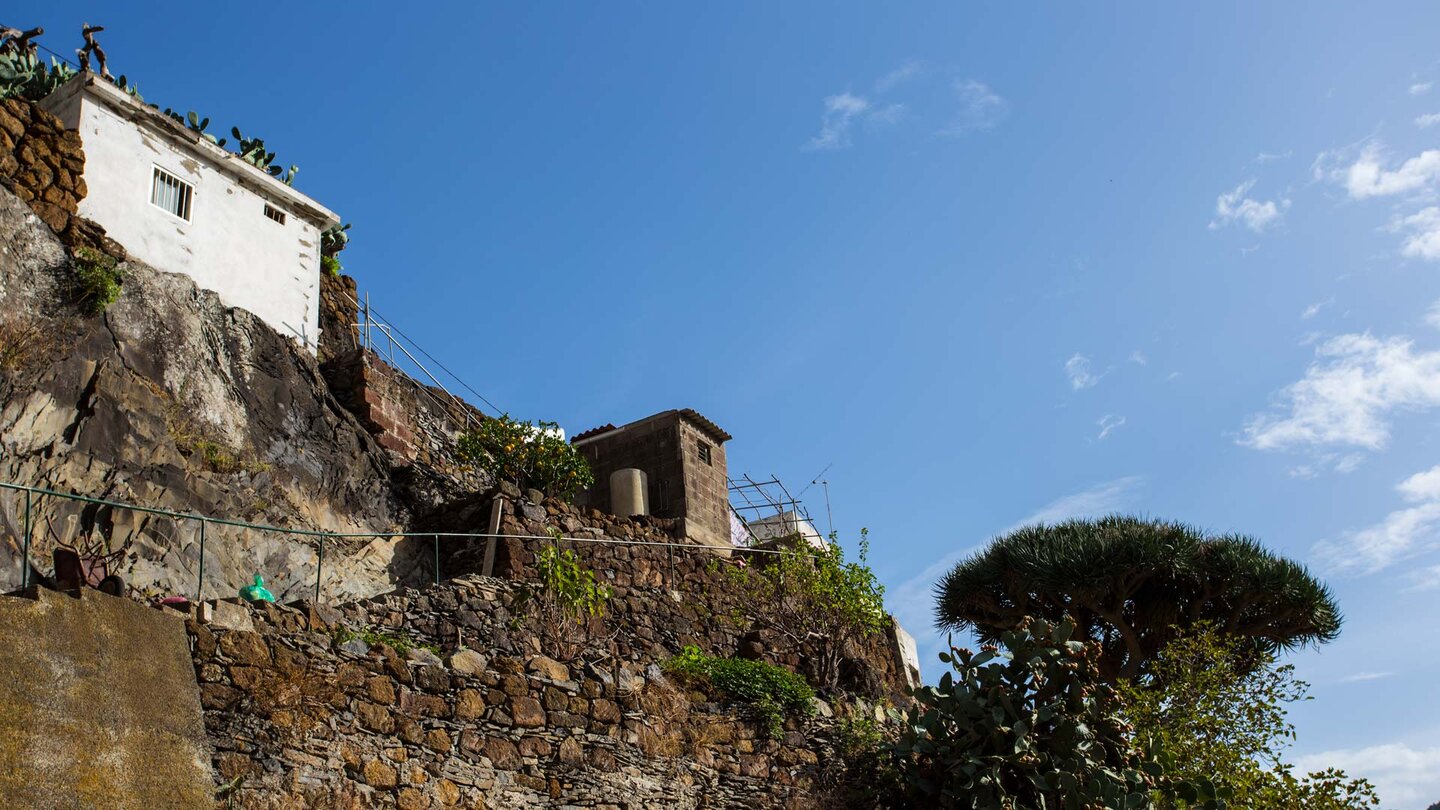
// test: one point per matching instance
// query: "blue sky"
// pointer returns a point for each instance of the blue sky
(995, 266)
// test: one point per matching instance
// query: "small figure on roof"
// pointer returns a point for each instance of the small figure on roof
(257, 592)
(89, 31)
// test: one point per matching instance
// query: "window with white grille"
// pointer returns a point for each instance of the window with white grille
(275, 214)
(171, 193)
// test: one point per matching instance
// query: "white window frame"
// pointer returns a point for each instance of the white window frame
(180, 191)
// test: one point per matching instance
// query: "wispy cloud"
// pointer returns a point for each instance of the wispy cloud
(899, 76)
(1425, 579)
(1270, 157)
(1077, 368)
(1348, 395)
(1421, 88)
(913, 601)
(1432, 315)
(1361, 677)
(840, 113)
(1404, 776)
(1404, 533)
(979, 108)
(1138, 358)
(1314, 309)
(1427, 120)
(1108, 424)
(1236, 206)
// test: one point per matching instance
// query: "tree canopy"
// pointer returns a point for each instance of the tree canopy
(1134, 585)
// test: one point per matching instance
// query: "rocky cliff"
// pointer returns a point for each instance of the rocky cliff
(173, 400)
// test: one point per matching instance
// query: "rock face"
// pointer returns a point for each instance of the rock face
(172, 400)
(311, 720)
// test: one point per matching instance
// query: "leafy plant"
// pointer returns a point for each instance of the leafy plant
(25, 75)
(526, 453)
(1133, 585)
(1216, 717)
(332, 241)
(98, 279)
(566, 599)
(769, 693)
(1031, 729)
(194, 123)
(371, 636)
(812, 596)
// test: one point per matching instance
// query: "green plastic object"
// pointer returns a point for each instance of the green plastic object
(257, 592)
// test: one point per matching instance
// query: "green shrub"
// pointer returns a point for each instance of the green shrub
(1218, 708)
(567, 601)
(769, 693)
(97, 280)
(812, 596)
(1034, 729)
(331, 265)
(529, 454)
(372, 637)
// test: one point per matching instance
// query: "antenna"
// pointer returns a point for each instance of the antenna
(829, 518)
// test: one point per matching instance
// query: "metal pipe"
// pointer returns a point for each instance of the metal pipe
(260, 527)
(25, 554)
(200, 580)
(319, 566)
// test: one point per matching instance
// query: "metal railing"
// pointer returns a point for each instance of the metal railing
(33, 496)
(369, 322)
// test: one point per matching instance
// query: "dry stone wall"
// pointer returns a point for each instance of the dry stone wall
(41, 162)
(305, 716)
(639, 557)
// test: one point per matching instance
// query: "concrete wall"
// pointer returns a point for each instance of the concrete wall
(229, 245)
(98, 706)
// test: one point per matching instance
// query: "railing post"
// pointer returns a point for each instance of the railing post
(320, 558)
(670, 552)
(200, 579)
(437, 560)
(25, 545)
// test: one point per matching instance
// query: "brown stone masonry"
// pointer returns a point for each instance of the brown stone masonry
(41, 162)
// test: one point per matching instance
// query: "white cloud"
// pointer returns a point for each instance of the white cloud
(898, 76)
(1422, 238)
(1403, 533)
(1420, 88)
(1432, 315)
(1235, 206)
(980, 108)
(1427, 120)
(1367, 177)
(1314, 309)
(1404, 776)
(1138, 357)
(1425, 579)
(1361, 677)
(1108, 423)
(1077, 368)
(840, 112)
(1268, 157)
(1348, 394)
(913, 601)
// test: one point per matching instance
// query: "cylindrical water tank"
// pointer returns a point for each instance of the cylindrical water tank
(629, 494)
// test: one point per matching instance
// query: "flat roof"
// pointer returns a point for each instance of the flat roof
(710, 429)
(142, 114)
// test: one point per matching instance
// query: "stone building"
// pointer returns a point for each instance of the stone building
(682, 455)
(184, 205)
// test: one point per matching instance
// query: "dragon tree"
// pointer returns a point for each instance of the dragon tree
(1134, 585)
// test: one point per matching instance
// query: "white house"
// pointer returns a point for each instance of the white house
(184, 205)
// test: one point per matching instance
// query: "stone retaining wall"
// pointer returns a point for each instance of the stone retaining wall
(305, 718)
(698, 605)
(41, 162)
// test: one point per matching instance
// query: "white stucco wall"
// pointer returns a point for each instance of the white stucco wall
(229, 245)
